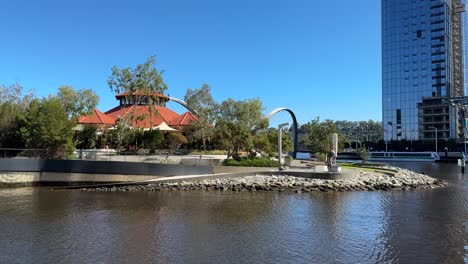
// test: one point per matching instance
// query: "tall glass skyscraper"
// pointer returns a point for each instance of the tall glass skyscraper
(422, 64)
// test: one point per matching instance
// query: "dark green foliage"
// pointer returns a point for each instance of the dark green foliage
(46, 126)
(267, 142)
(121, 137)
(13, 105)
(174, 141)
(251, 162)
(364, 155)
(237, 124)
(77, 102)
(153, 139)
(87, 138)
(362, 131)
(206, 109)
(317, 135)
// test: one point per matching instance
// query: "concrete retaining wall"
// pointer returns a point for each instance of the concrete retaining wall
(21, 179)
(100, 167)
(21, 172)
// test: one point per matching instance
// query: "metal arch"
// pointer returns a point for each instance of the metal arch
(295, 125)
(182, 103)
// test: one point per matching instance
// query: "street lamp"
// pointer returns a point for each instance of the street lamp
(433, 127)
(280, 142)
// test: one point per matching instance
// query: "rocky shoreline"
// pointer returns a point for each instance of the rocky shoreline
(366, 181)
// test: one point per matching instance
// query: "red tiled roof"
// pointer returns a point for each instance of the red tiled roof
(162, 114)
(96, 118)
(184, 119)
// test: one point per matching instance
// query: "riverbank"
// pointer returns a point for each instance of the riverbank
(402, 179)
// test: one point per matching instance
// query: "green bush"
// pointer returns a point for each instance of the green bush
(254, 162)
(364, 154)
(320, 157)
(208, 152)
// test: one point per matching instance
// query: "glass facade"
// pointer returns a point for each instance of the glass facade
(419, 60)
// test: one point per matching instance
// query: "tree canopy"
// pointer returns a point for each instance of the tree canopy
(46, 126)
(317, 135)
(144, 77)
(140, 83)
(206, 109)
(77, 102)
(237, 124)
(14, 102)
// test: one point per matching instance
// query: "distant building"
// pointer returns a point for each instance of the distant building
(423, 67)
(135, 108)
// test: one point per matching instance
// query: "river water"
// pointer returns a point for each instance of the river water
(38, 225)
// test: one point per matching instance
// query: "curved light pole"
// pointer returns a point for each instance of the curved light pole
(295, 126)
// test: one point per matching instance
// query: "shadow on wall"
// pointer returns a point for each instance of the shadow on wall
(101, 167)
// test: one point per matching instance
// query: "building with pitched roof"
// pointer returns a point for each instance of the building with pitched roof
(139, 110)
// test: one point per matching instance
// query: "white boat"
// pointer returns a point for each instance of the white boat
(404, 156)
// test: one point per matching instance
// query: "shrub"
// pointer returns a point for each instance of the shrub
(254, 162)
(320, 157)
(208, 152)
(364, 154)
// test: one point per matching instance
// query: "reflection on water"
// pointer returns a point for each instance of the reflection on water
(427, 226)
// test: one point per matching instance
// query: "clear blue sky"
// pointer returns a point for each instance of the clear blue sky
(319, 58)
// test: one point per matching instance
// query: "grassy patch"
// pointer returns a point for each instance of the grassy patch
(366, 168)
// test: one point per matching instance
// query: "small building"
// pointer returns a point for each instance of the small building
(439, 114)
(138, 110)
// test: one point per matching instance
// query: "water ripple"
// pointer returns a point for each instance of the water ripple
(43, 226)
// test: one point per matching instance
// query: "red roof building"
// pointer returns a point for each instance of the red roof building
(136, 109)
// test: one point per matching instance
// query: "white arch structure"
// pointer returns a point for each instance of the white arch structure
(295, 125)
(182, 103)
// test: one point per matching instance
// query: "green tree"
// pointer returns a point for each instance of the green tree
(317, 135)
(14, 102)
(121, 136)
(237, 124)
(46, 126)
(77, 102)
(141, 84)
(363, 154)
(144, 78)
(362, 131)
(87, 138)
(205, 108)
(262, 143)
(153, 139)
(267, 141)
(174, 141)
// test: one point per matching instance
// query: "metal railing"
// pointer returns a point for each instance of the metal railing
(142, 155)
